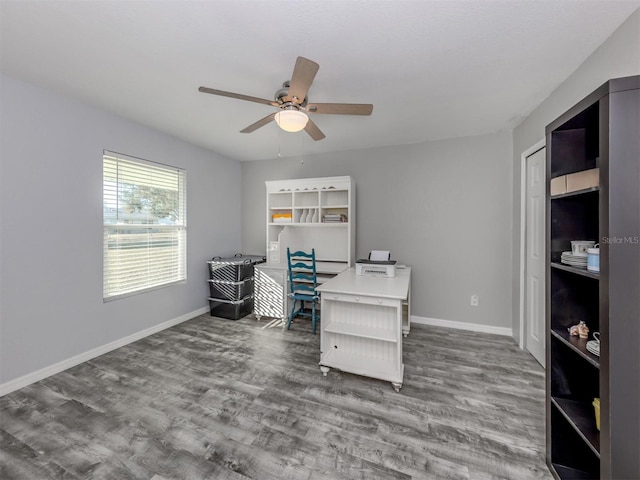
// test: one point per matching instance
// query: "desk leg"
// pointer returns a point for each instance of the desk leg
(324, 370)
(406, 319)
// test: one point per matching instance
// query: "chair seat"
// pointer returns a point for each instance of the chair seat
(304, 296)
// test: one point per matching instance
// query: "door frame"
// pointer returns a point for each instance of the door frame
(523, 239)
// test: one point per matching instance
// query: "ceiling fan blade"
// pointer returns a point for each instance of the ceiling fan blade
(260, 123)
(303, 74)
(313, 131)
(341, 108)
(238, 96)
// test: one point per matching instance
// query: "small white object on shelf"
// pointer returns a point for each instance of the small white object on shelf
(594, 347)
(579, 247)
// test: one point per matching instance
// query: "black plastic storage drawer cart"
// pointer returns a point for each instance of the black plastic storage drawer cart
(231, 285)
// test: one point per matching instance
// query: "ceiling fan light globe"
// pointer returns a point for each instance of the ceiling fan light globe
(291, 120)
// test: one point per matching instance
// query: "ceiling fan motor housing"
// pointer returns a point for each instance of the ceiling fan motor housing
(283, 92)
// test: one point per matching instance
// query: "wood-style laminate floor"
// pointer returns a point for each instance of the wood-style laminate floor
(218, 399)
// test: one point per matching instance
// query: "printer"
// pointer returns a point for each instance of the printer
(379, 264)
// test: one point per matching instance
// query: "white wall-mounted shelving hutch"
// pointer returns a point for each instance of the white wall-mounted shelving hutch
(300, 213)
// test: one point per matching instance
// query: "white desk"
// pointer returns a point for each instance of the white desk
(362, 324)
(271, 287)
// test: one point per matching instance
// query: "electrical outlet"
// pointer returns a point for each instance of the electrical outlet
(475, 300)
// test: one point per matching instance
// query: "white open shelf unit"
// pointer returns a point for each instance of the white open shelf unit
(306, 202)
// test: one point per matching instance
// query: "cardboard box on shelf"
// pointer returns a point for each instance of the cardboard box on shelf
(583, 180)
(559, 185)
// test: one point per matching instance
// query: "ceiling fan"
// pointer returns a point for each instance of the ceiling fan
(292, 103)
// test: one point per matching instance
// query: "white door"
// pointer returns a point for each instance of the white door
(534, 310)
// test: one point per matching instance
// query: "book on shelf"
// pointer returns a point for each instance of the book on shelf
(334, 218)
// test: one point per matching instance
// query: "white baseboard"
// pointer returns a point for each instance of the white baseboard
(474, 327)
(38, 375)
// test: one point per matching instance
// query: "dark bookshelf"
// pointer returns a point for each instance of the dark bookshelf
(600, 132)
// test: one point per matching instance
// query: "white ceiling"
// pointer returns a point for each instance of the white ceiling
(432, 69)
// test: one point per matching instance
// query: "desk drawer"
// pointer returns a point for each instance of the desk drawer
(366, 300)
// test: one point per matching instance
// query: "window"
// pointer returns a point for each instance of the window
(145, 228)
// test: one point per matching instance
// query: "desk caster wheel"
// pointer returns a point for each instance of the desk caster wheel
(324, 370)
(396, 386)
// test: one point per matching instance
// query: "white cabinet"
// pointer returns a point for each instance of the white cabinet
(363, 320)
(311, 213)
(270, 292)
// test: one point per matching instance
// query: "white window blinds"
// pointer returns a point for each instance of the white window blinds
(145, 228)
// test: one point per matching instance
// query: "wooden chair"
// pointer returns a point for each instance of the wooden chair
(302, 285)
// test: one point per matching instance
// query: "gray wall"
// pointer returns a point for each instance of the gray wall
(51, 305)
(618, 57)
(444, 208)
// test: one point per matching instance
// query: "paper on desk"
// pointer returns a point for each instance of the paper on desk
(379, 255)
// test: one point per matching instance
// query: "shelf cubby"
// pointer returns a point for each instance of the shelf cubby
(581, 416)
(574, 297)
(572, 456)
